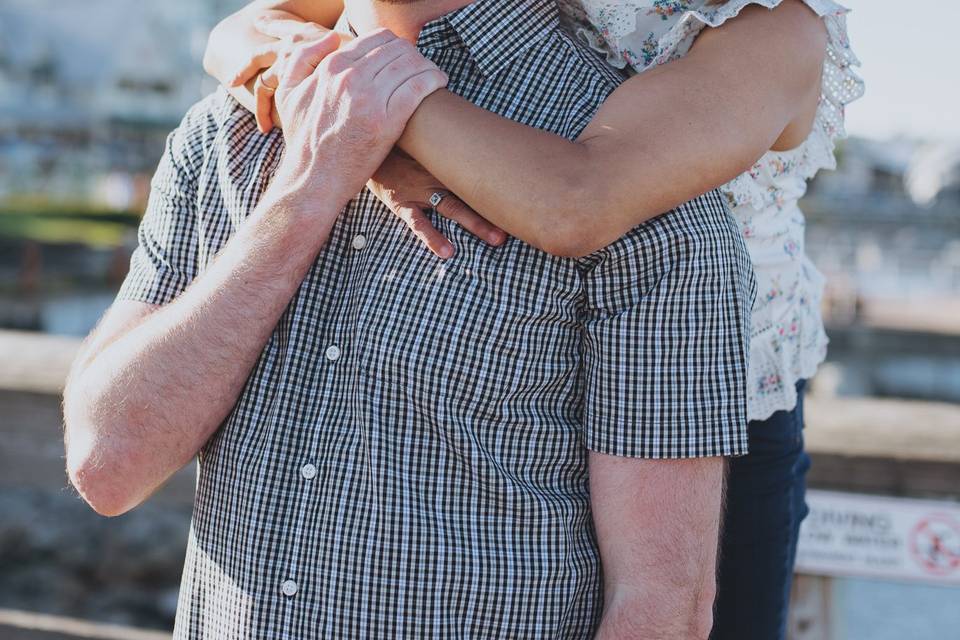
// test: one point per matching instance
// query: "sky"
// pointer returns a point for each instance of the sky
(910, 50)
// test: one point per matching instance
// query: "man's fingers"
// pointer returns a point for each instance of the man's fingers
(455, 209)
(410, 93)
(307, 58)
(421, 226)
(382, 57)
(261, 59)
(358, 48)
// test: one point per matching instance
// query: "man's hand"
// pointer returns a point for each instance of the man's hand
(401, 183)
(657, 524)
(287, 34)
(153, 382)
(348, 108)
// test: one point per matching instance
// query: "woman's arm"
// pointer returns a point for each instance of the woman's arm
(662, 138)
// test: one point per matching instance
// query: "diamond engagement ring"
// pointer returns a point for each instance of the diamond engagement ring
(437, 198)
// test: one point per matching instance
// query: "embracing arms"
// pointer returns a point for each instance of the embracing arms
(661, 139)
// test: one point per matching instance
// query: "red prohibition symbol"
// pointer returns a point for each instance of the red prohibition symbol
(935, 544)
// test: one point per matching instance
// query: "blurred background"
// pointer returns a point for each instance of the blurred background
(89, 91)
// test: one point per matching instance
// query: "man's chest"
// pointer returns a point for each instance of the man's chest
(484, 325)
(472, 366)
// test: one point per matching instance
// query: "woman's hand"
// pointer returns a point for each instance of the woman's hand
(405, 188)
(290, 34)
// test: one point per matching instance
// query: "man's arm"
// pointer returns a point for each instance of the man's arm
(666, 330)
(154, 383)
(657, 524)
(139, 407)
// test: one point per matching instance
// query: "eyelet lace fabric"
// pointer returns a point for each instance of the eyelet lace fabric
(789, 341)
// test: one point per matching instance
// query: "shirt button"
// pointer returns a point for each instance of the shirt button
(333, 353)
(289, 588)
(359, 242)
(309, 472)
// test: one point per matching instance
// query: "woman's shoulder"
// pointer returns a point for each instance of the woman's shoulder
(638, 35)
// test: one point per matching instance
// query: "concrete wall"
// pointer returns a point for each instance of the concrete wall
(20, 625)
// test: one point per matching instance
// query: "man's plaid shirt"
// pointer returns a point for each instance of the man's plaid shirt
(408, 458)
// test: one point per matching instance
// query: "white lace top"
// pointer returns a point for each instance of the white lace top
(788, 341)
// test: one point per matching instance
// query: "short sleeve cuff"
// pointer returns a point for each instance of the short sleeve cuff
(150, 283)
(666, 441)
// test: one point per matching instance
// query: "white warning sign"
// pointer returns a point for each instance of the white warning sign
(894, 538)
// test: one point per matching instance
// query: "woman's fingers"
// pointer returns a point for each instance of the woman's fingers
(288, 29)
(283, 24)
(420, 224)
(261, 59)
(405, 187)
(264, 90)
(455, 209)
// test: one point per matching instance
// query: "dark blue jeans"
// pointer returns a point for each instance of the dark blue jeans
(765, 506)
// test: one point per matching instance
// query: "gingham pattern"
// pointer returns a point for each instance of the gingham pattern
(427, 477)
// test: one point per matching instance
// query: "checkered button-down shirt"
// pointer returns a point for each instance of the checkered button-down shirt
(408, 458)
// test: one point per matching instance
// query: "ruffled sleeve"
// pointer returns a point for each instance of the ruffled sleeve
(637, 35)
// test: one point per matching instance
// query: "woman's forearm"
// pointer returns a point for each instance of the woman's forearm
(568, 198)
(517, 177)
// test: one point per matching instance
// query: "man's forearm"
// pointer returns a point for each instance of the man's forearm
(659, 613)
(141, 408)
(657, 525)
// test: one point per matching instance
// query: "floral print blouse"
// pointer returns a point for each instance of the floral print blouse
(788, 338)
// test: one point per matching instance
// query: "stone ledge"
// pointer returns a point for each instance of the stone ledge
(35, 362)
(22, 625)
(874, 427)
(838, 428)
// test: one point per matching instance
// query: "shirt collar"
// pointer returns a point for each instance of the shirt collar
(493, 31)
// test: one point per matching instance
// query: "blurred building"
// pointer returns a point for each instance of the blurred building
(934, 175)
(78, 104)
(886, 224)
